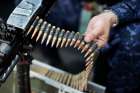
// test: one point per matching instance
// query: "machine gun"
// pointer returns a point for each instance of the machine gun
(16, 35)
(13, 41)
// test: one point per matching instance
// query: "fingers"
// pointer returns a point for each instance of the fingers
(88, 37)
(101, 41)
(96, 34)
(92, 34)
(98, 30)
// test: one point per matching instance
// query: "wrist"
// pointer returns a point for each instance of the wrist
(112, 17)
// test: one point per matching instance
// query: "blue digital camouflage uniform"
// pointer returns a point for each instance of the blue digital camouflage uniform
(124, 63)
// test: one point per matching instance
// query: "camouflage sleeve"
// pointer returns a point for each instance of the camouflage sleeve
(127, 10)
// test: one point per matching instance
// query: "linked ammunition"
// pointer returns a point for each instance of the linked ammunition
(50, 35)
(54, 76)
(80, 82)
(37, 28)
(65, 78)
(46, 33)
(62, 77)
(90, 57)
(55, 36)
(91, 49)
(73, 82)
(59, 76)
(69, 79)
(33, 25)
(69, 38)
(85, 87)
(85, 82)
(81, 45)
(74, 39)
(93, 55)
(85, 48)
(65, 38)
(60, 37)
(89, 65)
(78, 41)
(48, 74)
(76, 82)
(82, 85)
(89, 69)
(41, 30)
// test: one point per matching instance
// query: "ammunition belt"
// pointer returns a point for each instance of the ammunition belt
(42, 30)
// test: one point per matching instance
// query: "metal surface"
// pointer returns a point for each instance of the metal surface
(23, 77)
(23, 13)
(9, 70)
(61, 87)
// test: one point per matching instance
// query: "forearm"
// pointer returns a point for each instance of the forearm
(127, 10)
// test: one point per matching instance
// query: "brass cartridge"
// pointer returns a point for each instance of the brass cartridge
(41, 30)
(69, 38)
(65, 38)
(69, 79)
(85, 48)
(91, 49)
(50, 35)
(55, 36)
(60, 37)
(73, 41)
(46, 33)
(33, 25)
(37, 28)
(78, 41)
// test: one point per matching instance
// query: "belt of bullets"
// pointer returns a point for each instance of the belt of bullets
(46, 33)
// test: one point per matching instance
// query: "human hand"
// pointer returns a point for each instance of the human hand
(99, 28)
